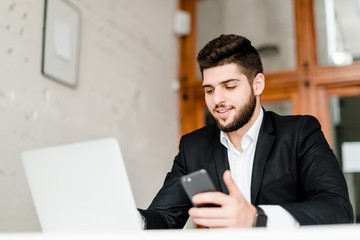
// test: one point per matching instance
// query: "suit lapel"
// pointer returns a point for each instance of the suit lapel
(263, 147)
(221, 161)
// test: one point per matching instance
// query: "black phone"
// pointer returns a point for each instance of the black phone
(198, 182)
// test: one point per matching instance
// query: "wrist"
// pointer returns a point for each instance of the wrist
(260, 218)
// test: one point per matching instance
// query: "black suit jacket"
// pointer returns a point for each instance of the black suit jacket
(294, 167)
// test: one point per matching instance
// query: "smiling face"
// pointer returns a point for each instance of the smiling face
(229, 97)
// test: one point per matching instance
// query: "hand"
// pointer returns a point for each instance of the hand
(234, 210)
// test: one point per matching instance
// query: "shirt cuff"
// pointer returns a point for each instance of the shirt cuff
(142, 220)
(278, 217)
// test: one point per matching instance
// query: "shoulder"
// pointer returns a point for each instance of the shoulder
(300, 131)
(291, 121)
(203, 135)
(204, 132)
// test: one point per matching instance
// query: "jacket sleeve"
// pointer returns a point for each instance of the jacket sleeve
(169, 209)
(321, 180)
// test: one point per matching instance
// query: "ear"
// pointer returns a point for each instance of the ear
(259, 84)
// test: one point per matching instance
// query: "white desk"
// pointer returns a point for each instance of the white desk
(330, 232)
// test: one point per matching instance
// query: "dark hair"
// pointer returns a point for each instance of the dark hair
(231, 49)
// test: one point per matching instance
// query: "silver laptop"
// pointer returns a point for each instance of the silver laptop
(81, 187)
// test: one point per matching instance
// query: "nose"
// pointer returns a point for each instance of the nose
(219, 96)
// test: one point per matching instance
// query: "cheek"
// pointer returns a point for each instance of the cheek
(240, 99)
(207, 100)
(209, 103)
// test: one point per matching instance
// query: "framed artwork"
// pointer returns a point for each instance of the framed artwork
(61, 42)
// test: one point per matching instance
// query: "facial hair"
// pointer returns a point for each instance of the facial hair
(242, 117)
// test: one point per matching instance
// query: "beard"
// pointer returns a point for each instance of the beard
(241, 118)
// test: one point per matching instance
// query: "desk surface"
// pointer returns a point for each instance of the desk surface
(329, 232)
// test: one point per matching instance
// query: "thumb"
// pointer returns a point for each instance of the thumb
(230, 184)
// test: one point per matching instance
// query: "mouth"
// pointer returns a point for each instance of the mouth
(223, 112)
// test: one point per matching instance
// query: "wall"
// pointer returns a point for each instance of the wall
(128, 65)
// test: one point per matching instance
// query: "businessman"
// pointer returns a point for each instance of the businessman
(269, 170)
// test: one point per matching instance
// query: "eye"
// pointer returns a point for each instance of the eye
(208, 90)
(230, 87)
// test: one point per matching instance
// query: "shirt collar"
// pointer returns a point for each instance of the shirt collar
(252, 133)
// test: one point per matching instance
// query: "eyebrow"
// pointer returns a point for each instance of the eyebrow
(223, 82)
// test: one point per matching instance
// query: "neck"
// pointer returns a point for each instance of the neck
(236, 136)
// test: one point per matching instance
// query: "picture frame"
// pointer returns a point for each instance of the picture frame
(61, 42)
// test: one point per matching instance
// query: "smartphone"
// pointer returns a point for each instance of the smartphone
(198, 182)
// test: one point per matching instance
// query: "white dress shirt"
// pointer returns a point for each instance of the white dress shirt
(241, 165)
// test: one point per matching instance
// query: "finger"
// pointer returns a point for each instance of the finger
(231, 185)
(213, 223)
(218, 198)
(207, 212)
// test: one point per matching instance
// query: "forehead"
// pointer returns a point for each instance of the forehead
(218, 74)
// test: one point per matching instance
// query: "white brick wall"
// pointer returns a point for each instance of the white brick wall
(128, 62)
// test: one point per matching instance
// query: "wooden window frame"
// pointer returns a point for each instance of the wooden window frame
(308, 86)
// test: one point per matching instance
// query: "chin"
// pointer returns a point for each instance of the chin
(224, 125)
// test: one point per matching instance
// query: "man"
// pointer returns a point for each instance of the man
(281, 167)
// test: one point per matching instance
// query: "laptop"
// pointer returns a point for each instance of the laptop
(81, 187)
